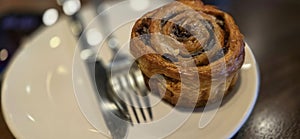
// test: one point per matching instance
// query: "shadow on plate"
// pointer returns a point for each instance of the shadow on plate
(225, 100)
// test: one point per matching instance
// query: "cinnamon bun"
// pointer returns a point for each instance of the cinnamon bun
(182, 32)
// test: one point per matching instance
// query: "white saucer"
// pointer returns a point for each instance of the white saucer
(229, 118)
(38, 97)
(234, 111)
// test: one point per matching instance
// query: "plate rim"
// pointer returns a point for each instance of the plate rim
(256, 93)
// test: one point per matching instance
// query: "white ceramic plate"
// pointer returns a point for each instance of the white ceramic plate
(229, 118)
(234, 111)
(38, 97)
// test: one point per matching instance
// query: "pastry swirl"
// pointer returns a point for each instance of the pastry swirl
(181, 32)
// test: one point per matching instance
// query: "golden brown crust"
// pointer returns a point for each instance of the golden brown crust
(187, 31)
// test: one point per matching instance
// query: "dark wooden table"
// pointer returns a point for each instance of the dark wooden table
(272, 29)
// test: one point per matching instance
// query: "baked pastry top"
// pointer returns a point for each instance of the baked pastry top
(186, 37)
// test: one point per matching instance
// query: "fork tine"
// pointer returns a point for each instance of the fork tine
(118, 97)
(134, 89)
(139, 81)
(133, 109)
(150, 113)
(140, 108)
(123, 81)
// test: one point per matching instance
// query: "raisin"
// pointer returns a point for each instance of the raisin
(180, 32)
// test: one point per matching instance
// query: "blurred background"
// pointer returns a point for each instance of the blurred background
(270, 27)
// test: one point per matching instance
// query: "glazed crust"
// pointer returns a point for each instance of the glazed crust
(183, 38)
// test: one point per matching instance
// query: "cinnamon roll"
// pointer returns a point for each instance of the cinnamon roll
(186, 34)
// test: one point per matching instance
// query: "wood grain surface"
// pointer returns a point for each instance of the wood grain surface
(272, 29)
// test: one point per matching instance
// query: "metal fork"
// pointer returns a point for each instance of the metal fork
(128, 91)
(127, 83)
